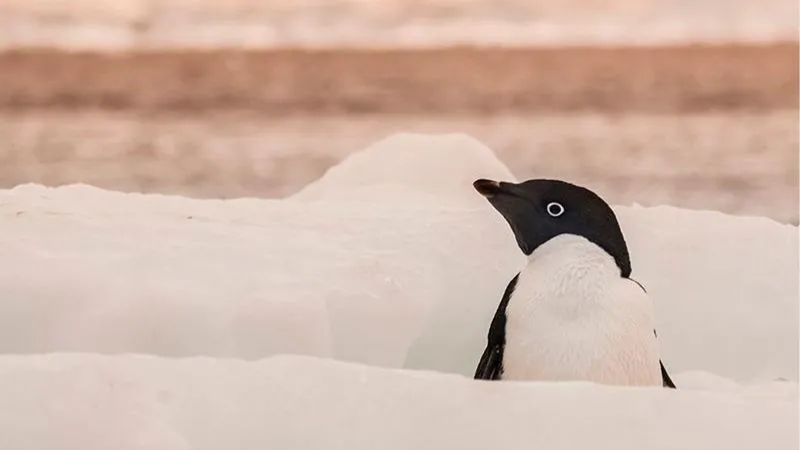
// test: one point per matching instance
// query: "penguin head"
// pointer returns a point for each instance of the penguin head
(539, 210)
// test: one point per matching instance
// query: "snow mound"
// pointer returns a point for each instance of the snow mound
(143, 402)
(390, 259)
(725, 289)
(109, 272)
(440, 168)
(352, 283)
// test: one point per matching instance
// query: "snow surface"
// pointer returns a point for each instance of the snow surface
(390, 259)
(89, 402)
(180, 277)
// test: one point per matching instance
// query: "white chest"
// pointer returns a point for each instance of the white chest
(572, 317)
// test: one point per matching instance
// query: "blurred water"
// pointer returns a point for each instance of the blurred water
(127, 24)
(741, 163)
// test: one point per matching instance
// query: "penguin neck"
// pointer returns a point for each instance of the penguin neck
(571, 258)
(566, 278)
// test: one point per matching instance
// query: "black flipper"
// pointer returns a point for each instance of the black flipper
(666, 381)
(490, 366)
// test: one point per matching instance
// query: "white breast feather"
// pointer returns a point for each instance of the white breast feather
(572, 317)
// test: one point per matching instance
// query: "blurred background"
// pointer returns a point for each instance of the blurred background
(692, 103)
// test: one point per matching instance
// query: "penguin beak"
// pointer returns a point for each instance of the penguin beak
(487, 188)
(491, 189)
(515, 208)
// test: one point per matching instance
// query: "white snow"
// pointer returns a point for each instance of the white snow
(439, 168)
(725, 287)
(357, 280)
(90, 402)
(390, 260)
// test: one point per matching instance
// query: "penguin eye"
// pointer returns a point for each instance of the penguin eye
(555, 209)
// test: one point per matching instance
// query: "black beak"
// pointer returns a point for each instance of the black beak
(487, 188)
(513, 206)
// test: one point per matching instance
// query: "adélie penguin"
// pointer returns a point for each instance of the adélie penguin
(573, 313)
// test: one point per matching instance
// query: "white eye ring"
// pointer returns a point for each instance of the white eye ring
(555, 209)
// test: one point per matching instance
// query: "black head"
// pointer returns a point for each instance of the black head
(539, 210)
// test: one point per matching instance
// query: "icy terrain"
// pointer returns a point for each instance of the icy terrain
(140, 402)
(390, 260)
